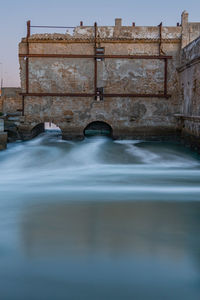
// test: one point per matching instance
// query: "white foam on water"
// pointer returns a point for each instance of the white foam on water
(45, 165)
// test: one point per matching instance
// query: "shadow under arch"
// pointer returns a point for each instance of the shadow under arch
(98, 128)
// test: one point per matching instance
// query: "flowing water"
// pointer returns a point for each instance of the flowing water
(99, 219)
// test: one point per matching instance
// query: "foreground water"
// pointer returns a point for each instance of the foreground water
(99, 219)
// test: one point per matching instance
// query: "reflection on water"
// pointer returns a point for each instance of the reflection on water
(99, 219)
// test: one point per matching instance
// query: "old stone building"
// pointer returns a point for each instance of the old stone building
(128, 77)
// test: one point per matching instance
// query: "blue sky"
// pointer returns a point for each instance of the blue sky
(15, 13)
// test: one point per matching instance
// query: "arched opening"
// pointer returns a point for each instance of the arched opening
(47, 127)
(36, 130)
(98, 128)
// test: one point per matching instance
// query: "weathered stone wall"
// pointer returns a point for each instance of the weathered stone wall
(190, 93)
(128, 116)
(150, 117)
(11, 100)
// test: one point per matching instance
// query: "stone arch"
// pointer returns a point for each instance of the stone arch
(40, 128)
(37, 129)
(98, 128)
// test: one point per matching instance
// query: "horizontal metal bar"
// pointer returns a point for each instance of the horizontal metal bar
(58, 55)
(136, 56)
(52, 26)
(57, 94)
(138, 95)
(97, 56)
(91, 95)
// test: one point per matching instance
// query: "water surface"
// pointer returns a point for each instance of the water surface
(99, 219)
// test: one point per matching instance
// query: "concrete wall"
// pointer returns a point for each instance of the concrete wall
(190, 93)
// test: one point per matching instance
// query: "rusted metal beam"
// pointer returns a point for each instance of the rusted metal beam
(95, 59)
(99, 56)
(58, 55)
(27, 53)
(138, 95)
(166, 78)
(134, 95)
(160, 37)
(58, 94)
(27, 75)
(28, 24)
(44, 26)
(139, 56)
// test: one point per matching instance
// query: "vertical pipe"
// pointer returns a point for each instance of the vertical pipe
(160, 37)
(27, 52)
(95, 60)
(165, 81)
(28, 24)
(27, 77)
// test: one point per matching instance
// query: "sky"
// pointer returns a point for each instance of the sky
(15, 13)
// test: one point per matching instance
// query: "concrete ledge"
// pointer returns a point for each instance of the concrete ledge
(3, 140)
(189, 118)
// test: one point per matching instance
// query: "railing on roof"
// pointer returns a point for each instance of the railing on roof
(29, 26)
